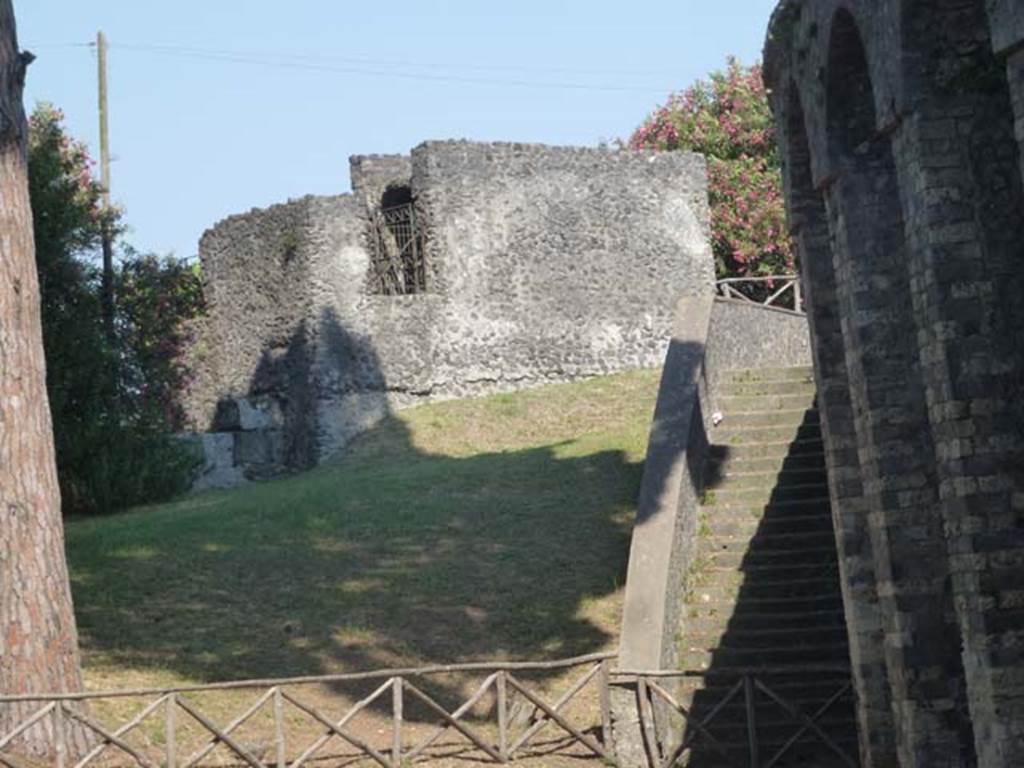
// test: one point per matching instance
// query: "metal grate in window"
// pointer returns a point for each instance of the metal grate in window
(398, 267)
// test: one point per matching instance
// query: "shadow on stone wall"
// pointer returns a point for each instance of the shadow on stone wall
(363, 562)
(275, 428)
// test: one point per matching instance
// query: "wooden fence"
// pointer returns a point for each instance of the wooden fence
(398, 689)
(667, 747)
(498, 740)
(780, 291)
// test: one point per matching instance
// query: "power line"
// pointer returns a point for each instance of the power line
(330, 57)
(407, 75)
(406, 70)
(42, 46)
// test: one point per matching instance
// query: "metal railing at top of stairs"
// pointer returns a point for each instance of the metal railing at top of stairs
(778, 291)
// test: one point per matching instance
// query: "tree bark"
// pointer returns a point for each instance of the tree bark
(38, 639)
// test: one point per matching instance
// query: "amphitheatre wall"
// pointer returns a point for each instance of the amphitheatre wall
(900, 124)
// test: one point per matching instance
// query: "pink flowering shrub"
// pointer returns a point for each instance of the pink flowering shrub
(727, 119)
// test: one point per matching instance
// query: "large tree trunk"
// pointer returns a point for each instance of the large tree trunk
(38, 640)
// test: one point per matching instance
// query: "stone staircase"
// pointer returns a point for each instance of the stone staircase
(765, 589)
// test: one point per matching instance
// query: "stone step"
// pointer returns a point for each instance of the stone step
(767, 495)
(739, 578)
(767, 480)
(704, 658)
(749, 375)
(767, 417)
(770, 637)
(779, 556)
(746, 388)
(768, 714)
(728, 462)
(733, 435)
(730, 593)
(708, 629)
(782, 449)
(825, 568)
(776, 509)
(771, 720)
(808, 604)
(765, 541)
(732, 601)
(733, 404)
(737, 525)
(798, 681)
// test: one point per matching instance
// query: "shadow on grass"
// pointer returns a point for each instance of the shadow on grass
(387, 556)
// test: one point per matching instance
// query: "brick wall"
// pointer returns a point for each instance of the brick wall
(916, 153)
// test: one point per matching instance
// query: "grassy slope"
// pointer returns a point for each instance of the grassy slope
(477, 529)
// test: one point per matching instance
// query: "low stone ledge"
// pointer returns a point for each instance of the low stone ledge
(665, 531)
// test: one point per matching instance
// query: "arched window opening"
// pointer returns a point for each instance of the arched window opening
(398, 266)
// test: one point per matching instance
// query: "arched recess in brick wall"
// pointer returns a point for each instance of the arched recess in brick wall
(887, 393)
(809, 228)
(966, 225)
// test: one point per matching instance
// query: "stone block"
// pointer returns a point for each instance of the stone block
(261, 448)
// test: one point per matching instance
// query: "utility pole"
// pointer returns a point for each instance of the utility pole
(106, 233)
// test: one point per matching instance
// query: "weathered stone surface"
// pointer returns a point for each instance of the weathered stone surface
(544, 264)
(744, 335)
(219, 469)
(899, 124)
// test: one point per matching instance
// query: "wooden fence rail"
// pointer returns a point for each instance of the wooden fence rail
(282, 699)
(498, 738)
(780, 291)
(667, 749)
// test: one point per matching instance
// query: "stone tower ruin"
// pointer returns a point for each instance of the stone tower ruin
(462, 269)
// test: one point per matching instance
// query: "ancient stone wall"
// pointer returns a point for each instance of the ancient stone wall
(903, 181)
(542, 265)
(744, 335)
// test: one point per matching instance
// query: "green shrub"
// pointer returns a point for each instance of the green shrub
(113, 401)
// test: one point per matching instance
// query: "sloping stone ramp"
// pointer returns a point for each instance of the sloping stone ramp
(765, 595)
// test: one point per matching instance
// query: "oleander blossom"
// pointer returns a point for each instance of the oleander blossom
(727, 119)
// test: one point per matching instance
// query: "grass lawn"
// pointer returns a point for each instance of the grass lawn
(480, 529)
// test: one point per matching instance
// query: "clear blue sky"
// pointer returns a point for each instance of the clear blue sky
(300, 86)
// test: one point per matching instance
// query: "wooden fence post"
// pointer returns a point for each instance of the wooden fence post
(396, 713)
(648, 726)
(748, 695)
(279, 746)
(170, 731)
(606, 704)
(502, 688)
(59, 738)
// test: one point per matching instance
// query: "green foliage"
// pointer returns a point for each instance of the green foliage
(112, 404)
(728, 120)
(155, 296)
